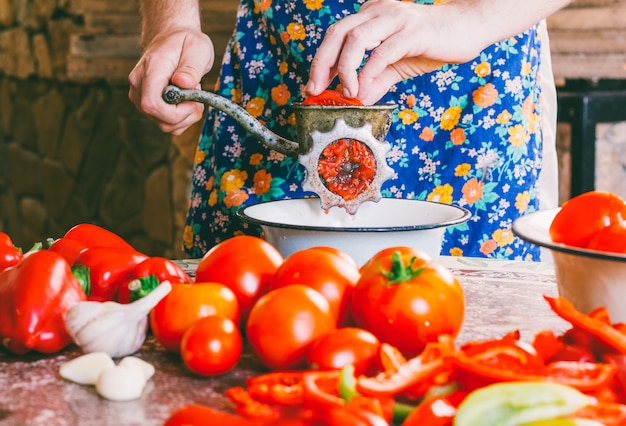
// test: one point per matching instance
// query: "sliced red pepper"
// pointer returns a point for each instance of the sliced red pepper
(281, 387)
(608, 414)
(547, 344)
(321, 390)
(584, 376)
(390, 357)
(599, 328)
(249, 407)
(436, 411)
(35, 294)
(331, 98)
(200, 415)
(420, 369)
(9, 254)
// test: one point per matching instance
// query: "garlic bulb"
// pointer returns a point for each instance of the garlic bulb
(114, 328)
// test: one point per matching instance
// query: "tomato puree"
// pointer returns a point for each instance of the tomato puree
(347, 167)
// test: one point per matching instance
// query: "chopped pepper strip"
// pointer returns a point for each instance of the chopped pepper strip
(280, 387)
(599, 328)
(250, 407)
(421, 368)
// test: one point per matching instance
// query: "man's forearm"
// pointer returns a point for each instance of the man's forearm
(510, 17)
(165, 16)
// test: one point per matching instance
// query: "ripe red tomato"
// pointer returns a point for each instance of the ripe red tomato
(327, 271)
(346, 346)
(611, 238)
(285, 322)
(406, 299)
(582, 216)
(187, 303)
(245, 264)
(211, 346)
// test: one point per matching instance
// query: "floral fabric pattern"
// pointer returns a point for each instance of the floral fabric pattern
(467, 134)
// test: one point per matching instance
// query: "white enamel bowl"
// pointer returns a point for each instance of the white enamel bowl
(295, 224)
(587, 278)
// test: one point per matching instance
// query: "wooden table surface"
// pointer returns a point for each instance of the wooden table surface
(501, 296)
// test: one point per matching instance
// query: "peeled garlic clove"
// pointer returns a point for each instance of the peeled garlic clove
(85, 369)
(121, 383)
(138, 363)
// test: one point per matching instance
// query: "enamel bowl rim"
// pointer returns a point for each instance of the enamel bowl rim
(464, 216)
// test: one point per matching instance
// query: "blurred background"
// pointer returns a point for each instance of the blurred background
(74, 149)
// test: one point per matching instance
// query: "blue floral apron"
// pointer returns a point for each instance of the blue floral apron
(465, 134)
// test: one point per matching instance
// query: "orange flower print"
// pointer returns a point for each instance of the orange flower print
(199, 158)
(212, 198)
(233, 179)
(284, 37)
(296, 31)
(472, 191)
(503, 237)
(264, 5)
(441, 194)
(486, 95)
(518, 135)
(281, 94)
(313, 4)
(504, 117)
(488, 247)
(255, 106)
(235, 198)
(457, 136)
(411, 101)
(427, 134)
(255, 159)
(235, 95)
(291, 120)
(450, 118)
(283, 67)
(462, 169)
(408, 116)
(456, 251)
(262, 182)
(188, 237)
(521, 201)
(483, 69)
(272, 40)
(209, 183)
(528, 107)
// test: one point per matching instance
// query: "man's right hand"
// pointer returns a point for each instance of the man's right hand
(181, 58)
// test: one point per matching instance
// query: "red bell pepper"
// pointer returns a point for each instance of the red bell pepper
(600, 327)
(83, 236)
(280, 387)
(140, 284)
(35, 294)
(109, 268)
(9, 254)
(200, 415)
(436, 411)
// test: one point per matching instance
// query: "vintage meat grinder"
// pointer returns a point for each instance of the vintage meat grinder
(342, 148)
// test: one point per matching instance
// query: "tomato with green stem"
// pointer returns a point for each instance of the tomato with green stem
(407, 300)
